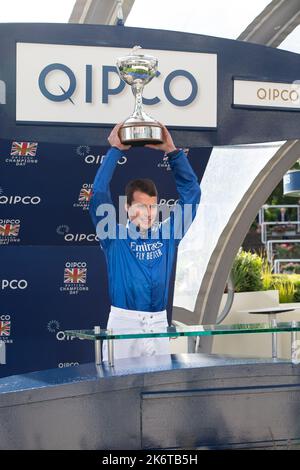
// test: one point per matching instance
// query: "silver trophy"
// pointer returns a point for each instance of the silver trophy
(137, 70)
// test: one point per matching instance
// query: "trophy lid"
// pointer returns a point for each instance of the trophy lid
(134, 55)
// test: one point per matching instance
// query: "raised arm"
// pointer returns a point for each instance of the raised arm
(101, 186)
(188, 188)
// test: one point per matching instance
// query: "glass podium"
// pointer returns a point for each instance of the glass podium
(98, 335)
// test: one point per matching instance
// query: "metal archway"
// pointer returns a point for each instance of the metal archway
(212, 286)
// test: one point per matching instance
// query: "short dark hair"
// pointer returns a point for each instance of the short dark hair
(145, 185)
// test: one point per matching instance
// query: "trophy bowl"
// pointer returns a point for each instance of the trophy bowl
(139, 128)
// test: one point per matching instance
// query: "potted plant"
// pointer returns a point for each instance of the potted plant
(252, 278)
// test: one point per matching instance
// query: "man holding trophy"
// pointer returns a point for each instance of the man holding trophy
(140, 255)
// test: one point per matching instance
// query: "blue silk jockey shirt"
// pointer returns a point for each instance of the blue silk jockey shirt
(140, 263)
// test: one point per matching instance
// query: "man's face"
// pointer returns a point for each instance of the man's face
(143, 210)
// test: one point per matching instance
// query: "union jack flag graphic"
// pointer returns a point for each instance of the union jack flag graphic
(75, 275)
(85, 194)
(24, 149)
(9, 229)
(4, 328)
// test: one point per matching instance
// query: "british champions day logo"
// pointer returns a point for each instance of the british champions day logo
(84, 196)
(22, 153)
(9, 231)
(75, 274)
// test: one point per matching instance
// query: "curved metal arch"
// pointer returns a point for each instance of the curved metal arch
(212, 286)
(229, 301)
(275, 22)
(99, 12)
(270, 27)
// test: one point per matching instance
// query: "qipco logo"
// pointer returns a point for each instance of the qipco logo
(99, 159)
(75, 264)
(20, 199)
(14, 284)
(62, 336)
(67, 364)
(4, 317)
(67, 75)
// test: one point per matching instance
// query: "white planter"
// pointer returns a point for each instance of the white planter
(247, 300)
(250, 345)
(242, 301)
(260, 344)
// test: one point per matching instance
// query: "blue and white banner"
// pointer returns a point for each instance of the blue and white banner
(60, 95)
(53, 271)
(59, 83)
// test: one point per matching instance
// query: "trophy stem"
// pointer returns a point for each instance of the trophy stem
(138, 93)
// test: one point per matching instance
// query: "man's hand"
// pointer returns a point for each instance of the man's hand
(167, 144)
(114, 138)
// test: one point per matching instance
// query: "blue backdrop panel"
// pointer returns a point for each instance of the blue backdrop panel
(45, 225)
(58, 184)
(39, 312)
(47, 171)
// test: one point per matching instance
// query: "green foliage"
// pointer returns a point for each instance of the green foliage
(252, 272)
(297, 293)
(266, 273)
(285, 286)
(271, 215)
(246, 272)
(295, 279)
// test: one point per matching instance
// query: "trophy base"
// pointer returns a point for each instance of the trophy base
(139, 134)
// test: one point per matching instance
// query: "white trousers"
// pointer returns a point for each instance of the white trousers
(135, 347)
